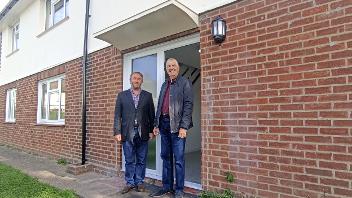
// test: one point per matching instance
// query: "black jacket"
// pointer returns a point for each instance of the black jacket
(180, 105)
(125, 114)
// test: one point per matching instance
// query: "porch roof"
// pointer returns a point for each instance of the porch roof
(163, 20)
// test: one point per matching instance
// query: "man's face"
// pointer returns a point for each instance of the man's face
(172, 69)
(136, 81)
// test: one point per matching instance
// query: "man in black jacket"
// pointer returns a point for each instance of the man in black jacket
(133, 125)
(173, 119)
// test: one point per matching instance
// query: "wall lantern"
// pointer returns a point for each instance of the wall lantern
(218, 29)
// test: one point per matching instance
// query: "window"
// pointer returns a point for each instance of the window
(51, 101)
(11, 105)
(0, 48)
(15, 36)
(56, 10)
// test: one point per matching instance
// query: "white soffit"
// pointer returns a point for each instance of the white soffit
(163, 20)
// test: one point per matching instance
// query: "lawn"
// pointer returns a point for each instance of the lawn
(15, 184)
(151, 159)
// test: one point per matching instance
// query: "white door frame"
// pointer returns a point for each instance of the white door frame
(127, 69)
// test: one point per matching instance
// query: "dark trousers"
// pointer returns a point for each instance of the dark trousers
(172, 147)
(135, 160)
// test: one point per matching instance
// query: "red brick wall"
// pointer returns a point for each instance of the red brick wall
(104, 82)
(277, 98)
(26, 133)
(104, 76)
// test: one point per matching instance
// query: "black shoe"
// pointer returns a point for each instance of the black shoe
(126, 189)
(160, 193)
(140, 188)
(179, 194)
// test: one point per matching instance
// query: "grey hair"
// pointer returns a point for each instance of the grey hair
(171, 59)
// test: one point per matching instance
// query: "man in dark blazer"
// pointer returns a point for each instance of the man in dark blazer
(133, 126)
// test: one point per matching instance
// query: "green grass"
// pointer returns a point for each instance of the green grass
(151, 163)
(225, 194)
(15, 184)
(62, 161)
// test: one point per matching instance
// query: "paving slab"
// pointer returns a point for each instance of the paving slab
(87, 185)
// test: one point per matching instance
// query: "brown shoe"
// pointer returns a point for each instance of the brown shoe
(126, 189)
(140, 188)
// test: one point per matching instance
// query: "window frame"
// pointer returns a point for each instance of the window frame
(40, 120)
(11, 101)
(50, 17)
(14, 41)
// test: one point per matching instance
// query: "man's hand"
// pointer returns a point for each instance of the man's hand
(151, 136)
(156, 131)
(117, 137)
(182, 133)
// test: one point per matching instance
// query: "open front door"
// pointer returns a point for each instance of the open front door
(189, 61)
(150, 62)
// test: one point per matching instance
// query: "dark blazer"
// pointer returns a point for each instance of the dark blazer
(125, 113)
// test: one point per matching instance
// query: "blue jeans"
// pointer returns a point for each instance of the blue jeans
(135, 160)
(172, 147)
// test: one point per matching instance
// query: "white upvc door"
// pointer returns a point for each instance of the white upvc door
(150, 62)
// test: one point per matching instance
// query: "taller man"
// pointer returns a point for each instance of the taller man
(133, 125)
(173, 119)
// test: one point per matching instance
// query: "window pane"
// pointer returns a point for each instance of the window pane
(44, 101)
(48, 14)
(14, 104)
(11, 105)
(10, 109)
(63, 87)
(62, 102)
(67, 7)
(54, 103)
(147, 65)
(17, 35)
(14, 40)
(0, 48)
(54, 85)
(59, 11)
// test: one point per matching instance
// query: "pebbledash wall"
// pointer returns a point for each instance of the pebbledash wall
(276, 101)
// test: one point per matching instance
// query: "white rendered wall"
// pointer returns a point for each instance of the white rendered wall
(39, 51)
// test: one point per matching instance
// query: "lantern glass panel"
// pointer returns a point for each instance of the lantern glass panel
(220, 27)
(224, 29)
(215, 28)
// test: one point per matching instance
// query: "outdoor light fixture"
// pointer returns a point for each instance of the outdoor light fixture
(218, 29)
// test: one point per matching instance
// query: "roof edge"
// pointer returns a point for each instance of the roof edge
(7, 8)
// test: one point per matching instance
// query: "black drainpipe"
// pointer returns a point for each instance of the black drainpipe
(85, 54)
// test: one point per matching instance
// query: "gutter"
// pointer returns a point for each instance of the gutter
(84, 111)
(7, 8)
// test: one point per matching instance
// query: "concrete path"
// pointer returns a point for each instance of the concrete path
(88, 185)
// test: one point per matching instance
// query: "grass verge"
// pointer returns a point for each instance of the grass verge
(14, 184)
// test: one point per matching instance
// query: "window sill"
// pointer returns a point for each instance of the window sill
(13, 52)
(10, 122)
(51, 124)
(52, 27)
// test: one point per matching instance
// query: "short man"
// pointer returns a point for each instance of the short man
(133, 125)
(173, 119)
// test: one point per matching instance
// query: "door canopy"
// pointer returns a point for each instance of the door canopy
(163, 20)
